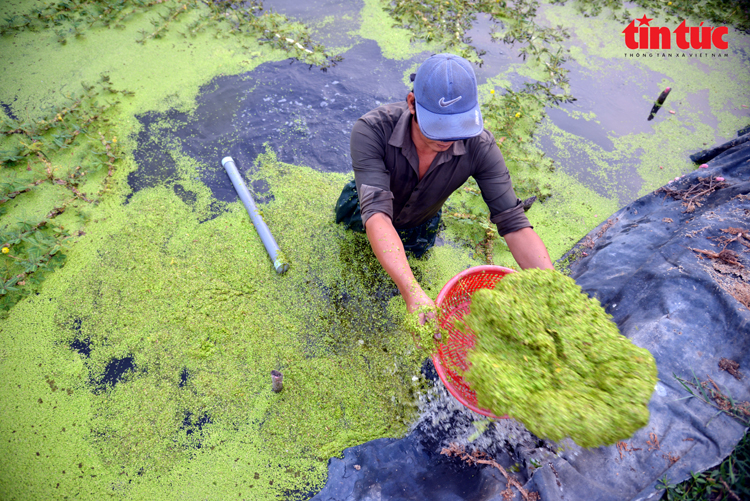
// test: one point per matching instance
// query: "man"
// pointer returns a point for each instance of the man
(408, 158)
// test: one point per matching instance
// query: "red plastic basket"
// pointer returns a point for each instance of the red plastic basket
(453, 302)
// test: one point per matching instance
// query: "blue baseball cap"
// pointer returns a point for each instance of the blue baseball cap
(445, 90)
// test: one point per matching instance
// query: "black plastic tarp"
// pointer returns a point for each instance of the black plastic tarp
(658, 268)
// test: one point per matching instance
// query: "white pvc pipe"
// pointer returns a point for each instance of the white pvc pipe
(277, 257)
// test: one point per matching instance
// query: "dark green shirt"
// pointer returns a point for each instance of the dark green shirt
(386, 171)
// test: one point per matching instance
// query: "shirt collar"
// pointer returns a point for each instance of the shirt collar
(401, 136)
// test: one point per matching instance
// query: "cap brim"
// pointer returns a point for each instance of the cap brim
(450, 127)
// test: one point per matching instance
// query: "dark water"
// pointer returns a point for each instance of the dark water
(305, 115)
(8, 111)
(115, 371)
(331, 21)
(621, 94)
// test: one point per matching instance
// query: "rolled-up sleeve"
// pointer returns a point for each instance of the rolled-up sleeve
(373, 200)
(493, 178)
(370, 174)
(511, 220)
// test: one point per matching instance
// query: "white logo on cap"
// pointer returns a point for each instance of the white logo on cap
(445, 103)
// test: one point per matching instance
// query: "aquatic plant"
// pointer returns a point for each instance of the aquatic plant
(194, 403)
(445, 23)
(512, 117)
(269, 27)
(226, 18)
(32, 161)
(469, 219)
(549, 356)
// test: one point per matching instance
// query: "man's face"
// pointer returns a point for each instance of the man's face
(436, 146)
(433, 145)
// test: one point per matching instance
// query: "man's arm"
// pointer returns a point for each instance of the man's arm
(528, 249)
(387, 246)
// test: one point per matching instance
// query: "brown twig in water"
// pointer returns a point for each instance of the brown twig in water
(61, 181)
(485, 246)
(477, 457)
(14, 194)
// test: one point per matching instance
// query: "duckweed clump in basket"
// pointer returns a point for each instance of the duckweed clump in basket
(551, 357)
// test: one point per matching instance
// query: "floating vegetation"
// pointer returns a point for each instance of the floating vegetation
(549, 356)
(513, 118)
(736, 13)
(469, 220)
(181, 395)
(32, 156)
(447, 22)
(75, 17)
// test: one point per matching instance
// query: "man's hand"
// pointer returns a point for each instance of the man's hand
(426, 308)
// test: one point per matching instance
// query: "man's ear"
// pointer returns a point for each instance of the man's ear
(410, 101)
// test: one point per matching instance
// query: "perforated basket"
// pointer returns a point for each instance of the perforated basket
(453, 302)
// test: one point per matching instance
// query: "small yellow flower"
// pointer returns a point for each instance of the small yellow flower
(492, 91)
(669, 3)
(59, 118)
(518, 115)
(6, 250)
(114, 139)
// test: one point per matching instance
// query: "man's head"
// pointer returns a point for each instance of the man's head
(447, 106)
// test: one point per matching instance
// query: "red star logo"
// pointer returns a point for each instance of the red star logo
(644, 20)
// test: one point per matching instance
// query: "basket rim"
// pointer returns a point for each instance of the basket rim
(436, 360)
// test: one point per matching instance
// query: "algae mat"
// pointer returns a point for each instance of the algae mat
(142, 369)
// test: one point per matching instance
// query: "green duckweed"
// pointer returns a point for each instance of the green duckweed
(551, 357)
